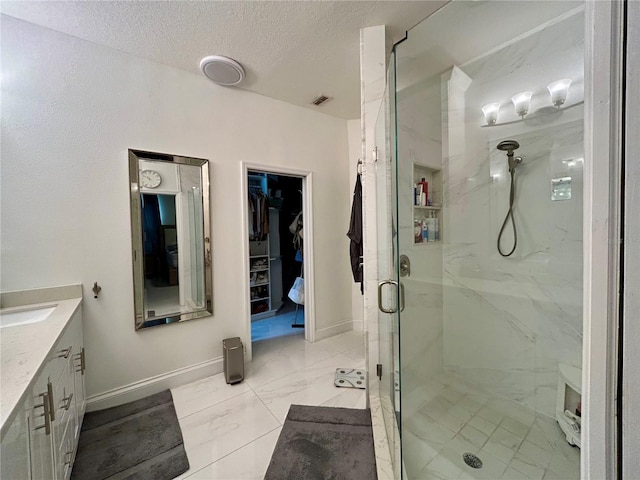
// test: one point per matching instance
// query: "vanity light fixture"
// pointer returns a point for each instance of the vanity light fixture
(558, 91)
(521, 102)
(490, 111)
(222, 70)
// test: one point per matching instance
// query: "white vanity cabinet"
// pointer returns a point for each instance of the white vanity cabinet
(64, 425)
(65, 364)
(43, 437)
(15, 449)
(40, 428)
(80, 399)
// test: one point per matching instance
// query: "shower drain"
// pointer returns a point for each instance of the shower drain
(472, 460)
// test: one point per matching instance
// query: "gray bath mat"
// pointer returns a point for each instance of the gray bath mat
(323, 443)
(349, 377)
(140, 440)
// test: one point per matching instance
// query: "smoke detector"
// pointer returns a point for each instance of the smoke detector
(222, 70)
(320, 99)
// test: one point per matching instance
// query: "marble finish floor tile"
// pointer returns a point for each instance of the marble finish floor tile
(217, 431)
(282, 356)
(230, 431)
(247, 463)
(311, 386)
(348, 398)
(350, 344)
(196, 396)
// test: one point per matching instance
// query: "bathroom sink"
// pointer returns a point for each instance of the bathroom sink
(25, 315)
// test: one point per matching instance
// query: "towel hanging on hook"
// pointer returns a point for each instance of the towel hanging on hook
(355, 235)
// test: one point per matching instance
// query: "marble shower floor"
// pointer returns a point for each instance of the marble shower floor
(448, 417)
(230, 431)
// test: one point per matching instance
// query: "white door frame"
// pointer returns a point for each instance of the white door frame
(602, 159)
(631, 299)
(308, 263)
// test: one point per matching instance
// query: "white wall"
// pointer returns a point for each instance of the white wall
(355, 153)
(70, 111)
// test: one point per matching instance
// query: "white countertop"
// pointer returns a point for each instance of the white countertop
(24, 349)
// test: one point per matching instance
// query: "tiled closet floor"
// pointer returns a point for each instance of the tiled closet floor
(447, 417)
(230, 431)
(279, 325)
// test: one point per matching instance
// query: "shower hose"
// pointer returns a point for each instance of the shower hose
(512, 195)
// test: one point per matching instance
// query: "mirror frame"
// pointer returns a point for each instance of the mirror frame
(137, 244)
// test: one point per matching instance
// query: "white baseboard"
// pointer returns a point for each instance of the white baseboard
(155, 384)
(332, 330)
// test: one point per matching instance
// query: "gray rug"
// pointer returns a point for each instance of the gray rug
(324, 443)
(140, 440)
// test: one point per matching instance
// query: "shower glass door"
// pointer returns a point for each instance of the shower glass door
(389, 292)
(490, 342)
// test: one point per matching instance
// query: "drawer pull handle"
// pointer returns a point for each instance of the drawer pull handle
(45, 414)
(67, 401)
(65, 353)
(52, 408)
(80, 356)
(78, 366)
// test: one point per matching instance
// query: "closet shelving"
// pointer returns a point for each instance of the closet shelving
(433, 207)
(259, 277)
(264, 261)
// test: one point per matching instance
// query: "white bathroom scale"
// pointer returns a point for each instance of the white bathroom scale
(350, 378)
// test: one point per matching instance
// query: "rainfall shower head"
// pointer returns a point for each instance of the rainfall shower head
(509, 146)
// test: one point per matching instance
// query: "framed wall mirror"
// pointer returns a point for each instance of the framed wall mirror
(171, 239)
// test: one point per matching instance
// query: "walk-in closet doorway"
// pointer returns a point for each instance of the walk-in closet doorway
(278, 246)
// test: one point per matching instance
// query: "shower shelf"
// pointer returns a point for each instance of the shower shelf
(421, 213)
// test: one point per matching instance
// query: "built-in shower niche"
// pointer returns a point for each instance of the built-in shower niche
(427, 204)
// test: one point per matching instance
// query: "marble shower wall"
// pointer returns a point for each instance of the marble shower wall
(509, 322)
(419, 141)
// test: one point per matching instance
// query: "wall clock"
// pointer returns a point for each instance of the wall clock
(150, 179)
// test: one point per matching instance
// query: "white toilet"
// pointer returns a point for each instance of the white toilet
(568, 402)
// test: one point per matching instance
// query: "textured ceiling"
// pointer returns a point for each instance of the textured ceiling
(291, 50)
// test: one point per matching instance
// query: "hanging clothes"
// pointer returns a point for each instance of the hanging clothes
(355, 235)
(251, 212)
(258, 215)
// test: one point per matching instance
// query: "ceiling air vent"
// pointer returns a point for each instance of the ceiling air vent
(319, 100)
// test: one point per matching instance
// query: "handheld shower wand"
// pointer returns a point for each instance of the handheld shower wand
(509, 146)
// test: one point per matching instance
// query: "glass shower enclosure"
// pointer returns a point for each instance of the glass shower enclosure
(479, 171)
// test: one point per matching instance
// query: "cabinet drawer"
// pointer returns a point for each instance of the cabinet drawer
(63, 350)
(64, 404)
(65, 455)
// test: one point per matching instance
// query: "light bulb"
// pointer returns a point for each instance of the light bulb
(490, 111)
(521, 102)
(559, 90)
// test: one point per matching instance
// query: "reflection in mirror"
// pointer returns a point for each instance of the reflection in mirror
(170, 235)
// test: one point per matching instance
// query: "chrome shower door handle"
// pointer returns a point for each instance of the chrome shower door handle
(401, 297)
(380, 306)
